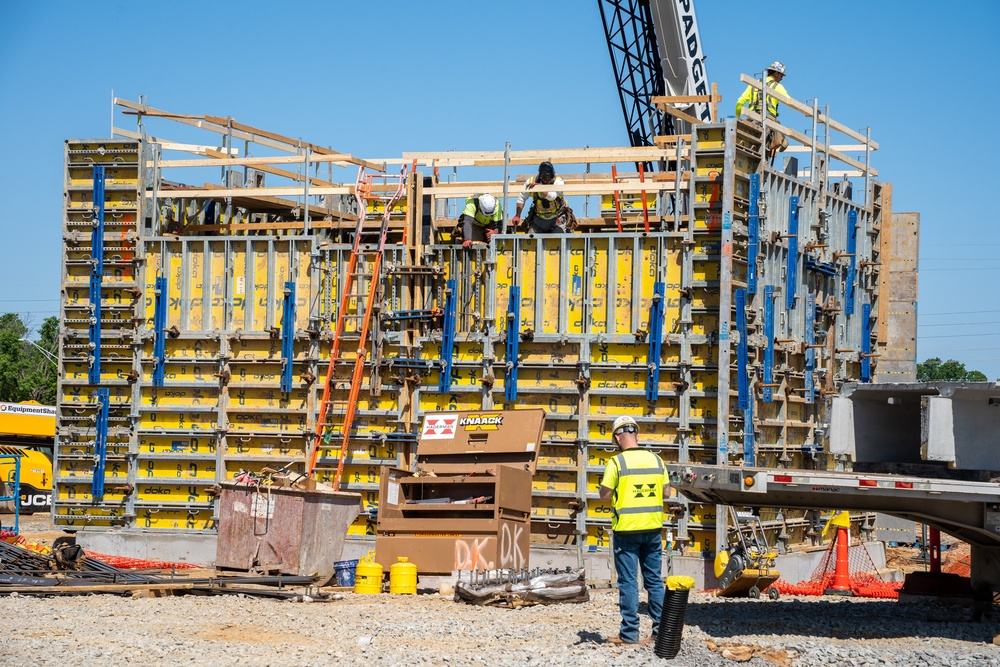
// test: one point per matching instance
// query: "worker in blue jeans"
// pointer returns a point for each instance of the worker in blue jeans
(633, 481)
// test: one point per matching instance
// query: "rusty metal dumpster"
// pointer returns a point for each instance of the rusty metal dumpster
(283, 530)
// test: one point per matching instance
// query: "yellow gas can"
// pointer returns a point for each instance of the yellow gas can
(368, 576)
(403, 577)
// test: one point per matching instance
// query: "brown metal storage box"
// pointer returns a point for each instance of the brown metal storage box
(286, 530)
(468, 506)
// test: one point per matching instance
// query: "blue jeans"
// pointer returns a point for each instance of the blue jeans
(635, 550)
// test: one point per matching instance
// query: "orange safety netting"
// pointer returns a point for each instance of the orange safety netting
(123, 563)
(865, 582)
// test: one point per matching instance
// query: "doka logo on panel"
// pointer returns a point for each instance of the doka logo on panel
(482, 422)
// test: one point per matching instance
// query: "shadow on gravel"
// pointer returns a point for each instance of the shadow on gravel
(589, 638)
(840, 619)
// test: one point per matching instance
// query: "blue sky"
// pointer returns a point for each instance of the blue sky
(380, 78)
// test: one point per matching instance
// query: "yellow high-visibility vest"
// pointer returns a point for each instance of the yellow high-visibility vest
(637, 503)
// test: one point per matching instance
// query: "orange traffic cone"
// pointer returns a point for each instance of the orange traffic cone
(842, 572)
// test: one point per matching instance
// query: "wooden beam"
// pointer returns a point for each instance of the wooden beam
(669, 110)
(195, 149)
(801, 138)
(280, 172)
(455, 190)
(836, 147)
(244, 132)
(666, 100)
(533, 157)
(807, 110)
(209, 190)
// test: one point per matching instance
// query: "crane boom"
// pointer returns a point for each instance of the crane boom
(655, 50)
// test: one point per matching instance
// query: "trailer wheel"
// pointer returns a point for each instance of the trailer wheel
(754, 593)
(773, 593)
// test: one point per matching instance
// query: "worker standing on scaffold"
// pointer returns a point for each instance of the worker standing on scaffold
(480, 220)
(549, 213)
(751, 98)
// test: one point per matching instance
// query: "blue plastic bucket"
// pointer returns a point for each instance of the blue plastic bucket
(343, 572)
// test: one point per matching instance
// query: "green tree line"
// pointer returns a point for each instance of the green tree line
(949, 371)
(27, 373)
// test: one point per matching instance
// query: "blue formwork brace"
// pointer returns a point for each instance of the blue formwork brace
(101, 443)
(448, 335)
(866, 342)
(769, 350)
(655, 342)
(742, 380)
(159, 332)
(753, 234)
(288, 336)
(810, 367)
(792, 274)
(742, 350)
(96, 275)
(852, 268)
(513, 338)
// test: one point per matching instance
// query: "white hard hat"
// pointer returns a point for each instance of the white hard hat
(487, 204)
(776, 66)
(624, 420)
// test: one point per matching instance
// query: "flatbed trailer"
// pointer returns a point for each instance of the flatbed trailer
(968, 511)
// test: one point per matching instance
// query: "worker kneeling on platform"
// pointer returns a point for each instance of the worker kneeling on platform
(549, 213)
(633, 481)
(480, 220)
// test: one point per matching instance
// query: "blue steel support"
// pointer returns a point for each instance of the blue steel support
(866, 342)
(810, 368)
(448, 336)
(513, 338)
(742, 380)
(753, 234)
(655, 342)
(96, 276)
(742, 351)
(792, 274)
(159, 332)
(288, 336)
(101, 443)
(769, 350)
(852, 268)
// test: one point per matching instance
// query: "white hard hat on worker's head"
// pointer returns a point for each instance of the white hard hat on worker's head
(487, 204)
(777, 66)
(622, 425)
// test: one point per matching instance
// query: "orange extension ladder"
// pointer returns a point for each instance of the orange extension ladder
(363, 190)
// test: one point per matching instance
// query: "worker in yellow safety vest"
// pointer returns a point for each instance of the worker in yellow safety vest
(633, 481)
(751, 98)
(549, 213)
(480, 220)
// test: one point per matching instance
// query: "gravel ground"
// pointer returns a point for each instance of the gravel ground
(109, 630)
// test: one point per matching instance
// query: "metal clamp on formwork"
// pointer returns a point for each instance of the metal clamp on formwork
(866, 342)
(742, 380)
(753, 234)
(101, 443)
(769, 349)
(288, 336)
(513, 339)
(655, 342)
(159, 332)
(96, 276)
(792, 273)
(810, 354)
(852, 267)
(448, 335)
